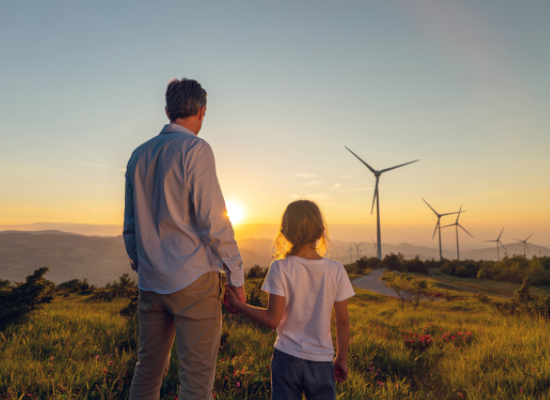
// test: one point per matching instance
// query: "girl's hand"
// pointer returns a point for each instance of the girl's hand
(230, 299)
(340, 370)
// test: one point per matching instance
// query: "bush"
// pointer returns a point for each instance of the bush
(368, 263)
(415, 265)
(16, 302)
(256, 272)
(393, 262)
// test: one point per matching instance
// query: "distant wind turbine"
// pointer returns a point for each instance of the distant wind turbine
(525, 244)
(350, 251)
(357, 248)
(438, 227)
(498, 242)
(374, 243)
(377, 196)
(456, 224)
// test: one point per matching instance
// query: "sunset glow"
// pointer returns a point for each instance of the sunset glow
(235, 212)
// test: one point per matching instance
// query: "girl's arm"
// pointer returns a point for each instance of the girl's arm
(342, 340)
(270, 317)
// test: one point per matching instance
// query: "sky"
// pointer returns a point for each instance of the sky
(462, 86)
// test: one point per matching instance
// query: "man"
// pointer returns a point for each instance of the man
(178, 236)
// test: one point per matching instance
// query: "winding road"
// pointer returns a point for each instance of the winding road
(373, 283)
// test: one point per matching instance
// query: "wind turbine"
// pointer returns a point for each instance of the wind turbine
(357, 248)
(438, 225)
(456, 224)
(350, 251)
(525, 243)
(377, 196)
(498, 241)
(374, 243)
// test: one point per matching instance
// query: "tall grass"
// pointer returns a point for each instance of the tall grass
(54, 354)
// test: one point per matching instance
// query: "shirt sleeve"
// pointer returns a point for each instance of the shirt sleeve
(211, 213)
(273, 283)
(129, 230)
(344, 289)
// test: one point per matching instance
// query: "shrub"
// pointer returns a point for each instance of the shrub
(393, 262)
(18, 301)
(256, 272)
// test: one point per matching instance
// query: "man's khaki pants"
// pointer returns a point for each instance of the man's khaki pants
(193, 315)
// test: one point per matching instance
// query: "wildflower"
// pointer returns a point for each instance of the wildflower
(105, 371)
(97, 356)
(226, 377)
(125, 371)
(521, 390)
(30, 395)
(51, 358)
(461, 395)
(110, 363)
(238, 384)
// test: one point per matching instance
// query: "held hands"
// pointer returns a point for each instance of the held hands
(340, 370)
(233, 297)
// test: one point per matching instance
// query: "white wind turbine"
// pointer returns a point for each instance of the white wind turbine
(498, 242)
(456, 224)
(376, 197)
(438, 226)
(525, 244)
(374, 244)
(350, 251)
(357, 248)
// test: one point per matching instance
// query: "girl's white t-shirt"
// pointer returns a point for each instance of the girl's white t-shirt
(310, 287)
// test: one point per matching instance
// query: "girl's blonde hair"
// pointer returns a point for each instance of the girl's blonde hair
(302, 224)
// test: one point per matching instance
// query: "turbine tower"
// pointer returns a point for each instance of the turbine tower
(525, 244)
(350, 251)
(376, 197)
(456, 224)
(357, 248)
(498, 242)
(438, 226)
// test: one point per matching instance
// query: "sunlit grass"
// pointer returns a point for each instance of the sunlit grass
(54, 353)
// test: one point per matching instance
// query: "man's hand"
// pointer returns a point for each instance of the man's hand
(232, 297)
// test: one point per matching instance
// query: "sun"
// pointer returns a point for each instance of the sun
(235, 212)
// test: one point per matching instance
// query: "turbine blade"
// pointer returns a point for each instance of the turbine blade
(465, 230)
(397, 166)
(456, 212)
(435, 230)
(527, 247)
(435, 212)
(458, 216)
(491, 241)
(374, 197)
(503, 246)
(518, 240)
(529, 236)
(446, 226)
(500, 234)
(359, 158)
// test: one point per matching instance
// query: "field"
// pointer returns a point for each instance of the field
(81, 349)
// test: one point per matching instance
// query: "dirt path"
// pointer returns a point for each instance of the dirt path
(373, 283)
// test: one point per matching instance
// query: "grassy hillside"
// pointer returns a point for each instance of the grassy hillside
(78, 348)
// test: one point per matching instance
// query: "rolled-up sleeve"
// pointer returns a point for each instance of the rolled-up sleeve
(129, 232)
(211, 213)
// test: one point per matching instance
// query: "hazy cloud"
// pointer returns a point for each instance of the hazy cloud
(346, 177)
(336, 186)
(313, 183)
(305, 175)
(91, 165)
(294, 196)
(318, 196)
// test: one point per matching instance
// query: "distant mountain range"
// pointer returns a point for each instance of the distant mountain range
(103, 259)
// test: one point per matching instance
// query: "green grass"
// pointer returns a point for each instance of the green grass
(506, 357)
(498, 288)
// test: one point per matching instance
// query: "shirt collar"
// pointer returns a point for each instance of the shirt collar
(171, 128)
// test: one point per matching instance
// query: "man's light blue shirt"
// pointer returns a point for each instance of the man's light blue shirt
(176, 227)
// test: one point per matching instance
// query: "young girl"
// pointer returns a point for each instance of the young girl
(303, 289)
